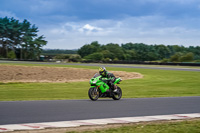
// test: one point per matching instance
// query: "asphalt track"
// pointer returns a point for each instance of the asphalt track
(105, 65)
(64, 110)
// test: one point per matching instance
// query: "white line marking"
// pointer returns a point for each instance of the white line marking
(77, 123)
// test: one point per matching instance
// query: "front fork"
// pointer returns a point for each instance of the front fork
(96, 90)
(115, 86)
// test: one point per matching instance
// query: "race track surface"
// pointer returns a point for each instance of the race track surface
(64, 110)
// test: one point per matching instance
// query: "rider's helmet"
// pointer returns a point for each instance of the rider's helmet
(102, 71)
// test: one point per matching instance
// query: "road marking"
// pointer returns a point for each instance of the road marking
(77, 123)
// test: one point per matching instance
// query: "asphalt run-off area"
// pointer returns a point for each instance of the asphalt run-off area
(14, 112)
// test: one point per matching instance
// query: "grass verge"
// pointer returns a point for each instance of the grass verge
(186, 126)
(156, 83)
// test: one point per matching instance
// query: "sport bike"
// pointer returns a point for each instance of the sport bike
(100, 88)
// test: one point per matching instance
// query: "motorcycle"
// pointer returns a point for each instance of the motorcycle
(100, 88)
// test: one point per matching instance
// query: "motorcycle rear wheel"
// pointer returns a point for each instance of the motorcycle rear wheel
(117, 95)
(93, 93)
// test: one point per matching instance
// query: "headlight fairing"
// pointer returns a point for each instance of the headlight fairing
(94, 82)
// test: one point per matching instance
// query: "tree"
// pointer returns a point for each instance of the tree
(75, 58)
(140, 49)
(16, 35)
(4, 35)
(57, 51)
(107, 54)
(94, 57)
(89, 49)
(165, 60)
(195, 51)
(152, 56)
(162, 51)
(11, 55)
(176, 57)
(130, 55)
(36, 46)
(187, 57)
(116, 50)
(62, 56)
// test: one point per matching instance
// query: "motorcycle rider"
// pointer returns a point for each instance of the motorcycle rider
(110, 76)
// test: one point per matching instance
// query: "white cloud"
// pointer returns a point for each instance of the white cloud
(78, 28)
(89, 28)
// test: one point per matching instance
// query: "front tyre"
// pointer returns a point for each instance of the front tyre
(93, 93)
(118, 94)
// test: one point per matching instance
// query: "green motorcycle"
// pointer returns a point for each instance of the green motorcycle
(100, 88)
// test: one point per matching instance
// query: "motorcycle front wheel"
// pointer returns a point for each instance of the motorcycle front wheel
(118, 94)
(93, 93)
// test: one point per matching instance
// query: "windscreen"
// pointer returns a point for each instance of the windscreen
(96, 75)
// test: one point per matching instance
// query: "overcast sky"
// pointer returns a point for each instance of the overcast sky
(69, 24)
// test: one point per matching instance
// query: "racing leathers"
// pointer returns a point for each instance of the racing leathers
(111, 79)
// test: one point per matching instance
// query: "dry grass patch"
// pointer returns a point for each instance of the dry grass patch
(10, 73)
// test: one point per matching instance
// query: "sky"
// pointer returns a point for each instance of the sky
(70, 24)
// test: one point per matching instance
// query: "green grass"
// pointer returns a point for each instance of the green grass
(156, 83)
(166, 127)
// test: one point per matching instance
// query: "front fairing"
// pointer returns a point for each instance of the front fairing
(95, 81)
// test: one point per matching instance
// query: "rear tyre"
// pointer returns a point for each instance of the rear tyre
(117, 95)
(93, 93)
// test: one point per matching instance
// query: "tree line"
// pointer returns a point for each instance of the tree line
(20, 39)
(58, 51)
(138, 52)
